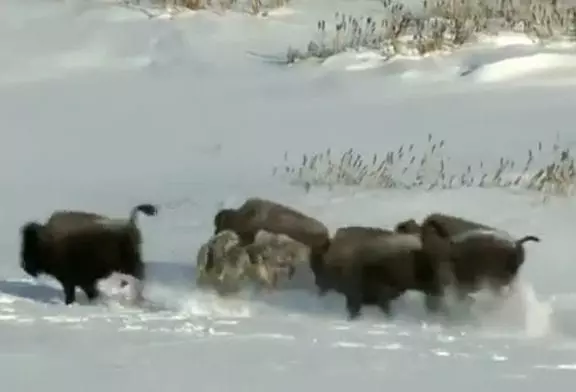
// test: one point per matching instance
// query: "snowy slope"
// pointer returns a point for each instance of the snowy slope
(102, 108)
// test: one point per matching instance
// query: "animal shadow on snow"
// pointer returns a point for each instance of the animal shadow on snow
(178, 275)
(38, 291)
(169, 274)
(30, 290)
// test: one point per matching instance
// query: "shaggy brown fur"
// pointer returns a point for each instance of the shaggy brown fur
(82, 256)
(343, 246)
(224, 264)
(479, 254)
(452, 224)
(278, 254)
(259, 214)
(480, 257)
(61, 222)
(381, 266)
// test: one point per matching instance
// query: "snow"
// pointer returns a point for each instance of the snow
(102, 107)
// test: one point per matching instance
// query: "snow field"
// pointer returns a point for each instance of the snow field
(110, 108)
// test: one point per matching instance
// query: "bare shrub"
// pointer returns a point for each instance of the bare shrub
(408, 167)
(439, 25)
(558, 177)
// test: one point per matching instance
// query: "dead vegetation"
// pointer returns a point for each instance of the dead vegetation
(548, 170)
(256, 7)
(439, 25)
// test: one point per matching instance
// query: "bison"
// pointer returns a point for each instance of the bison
(63, 221)
(452, 224)
(223, 263)
(259, 214)
(343, 246)
(278, 254)
(482, 257)
(377, 266)
(78, 249)
(479, 254)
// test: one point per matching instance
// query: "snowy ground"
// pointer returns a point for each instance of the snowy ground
(102, 108)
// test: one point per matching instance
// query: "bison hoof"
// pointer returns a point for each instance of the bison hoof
(353, 316)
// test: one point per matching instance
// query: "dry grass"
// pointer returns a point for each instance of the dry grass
(547, 170)
(251, 6)
(439, 25)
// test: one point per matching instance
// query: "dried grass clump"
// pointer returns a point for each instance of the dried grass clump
(439, 25)
(431, 168)
(558, 177)
(252, 6)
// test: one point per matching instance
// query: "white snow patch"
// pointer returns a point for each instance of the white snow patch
(514, 68)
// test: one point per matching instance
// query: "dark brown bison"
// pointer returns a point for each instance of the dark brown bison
(451, 224)
(263, 262)
(61, 222)
(480, 258)
(343, 246)
(376, 266)
(480, 255)
(278, 254)
(80, 257)
(259, 214)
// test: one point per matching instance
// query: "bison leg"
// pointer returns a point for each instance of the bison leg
(463, 296)
(434, 296)
(433, 303)
(91, 291)
(321, 279)
(385, 297)
(69, 293)
(354, 293)
(353, 305)
(503, 288)
(291, 271)
(321, 282)
(384, 305)
(316, 263)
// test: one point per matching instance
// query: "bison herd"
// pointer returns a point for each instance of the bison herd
(262, 242)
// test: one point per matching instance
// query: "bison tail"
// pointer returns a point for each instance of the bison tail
(146, 209)
(527, 238)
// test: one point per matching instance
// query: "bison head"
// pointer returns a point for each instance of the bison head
(408, 226)
(31, 250)
(223, 220)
